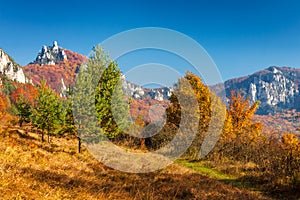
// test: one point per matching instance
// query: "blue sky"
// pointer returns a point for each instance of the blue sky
(240, 36)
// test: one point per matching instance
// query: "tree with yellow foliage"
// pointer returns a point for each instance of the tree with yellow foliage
(140, 124)
(291, 146)
(192, 92)
(240, 133)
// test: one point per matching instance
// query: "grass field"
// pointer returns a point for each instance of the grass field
(30, 169)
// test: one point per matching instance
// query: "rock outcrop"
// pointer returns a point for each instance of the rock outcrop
(9, 68)
(51, 55)
(137, 92)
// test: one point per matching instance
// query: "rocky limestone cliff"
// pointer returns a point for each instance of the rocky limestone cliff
(9, 68)
(277, 88)
(160, 94)
(51, 55)
(137, 92)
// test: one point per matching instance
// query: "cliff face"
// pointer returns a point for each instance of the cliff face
(137, 92)
(11, 69)
(51, 55)
(276, 88)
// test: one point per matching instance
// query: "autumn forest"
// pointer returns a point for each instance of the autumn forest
(44, 153)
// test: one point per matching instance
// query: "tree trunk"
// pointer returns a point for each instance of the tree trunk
(20, 123)
(143, 146)
(79, 144)
(48, 133)
(42, 136)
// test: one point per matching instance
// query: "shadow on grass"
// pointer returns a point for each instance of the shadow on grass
(140, 186)
(263, 185)
(21, 134)
(22, 138)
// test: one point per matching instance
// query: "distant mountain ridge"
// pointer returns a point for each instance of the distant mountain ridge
(277, 88)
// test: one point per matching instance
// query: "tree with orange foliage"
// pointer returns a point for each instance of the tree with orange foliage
(27, 91)
(2, 106)
(23, 97)
(3, 114)
(240, 132)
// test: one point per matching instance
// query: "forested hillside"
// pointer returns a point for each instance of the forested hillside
(45, 137)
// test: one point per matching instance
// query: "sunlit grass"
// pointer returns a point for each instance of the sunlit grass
(200, 167)
(203, 168)
(31, 169)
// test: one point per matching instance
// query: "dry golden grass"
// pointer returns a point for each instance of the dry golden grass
(30, 169)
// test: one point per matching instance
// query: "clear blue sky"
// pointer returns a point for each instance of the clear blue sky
(241, 36)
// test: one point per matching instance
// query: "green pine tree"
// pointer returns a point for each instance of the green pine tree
(47, 112)
(111, 105)
(24, 110)
(98, 98)
(84, 96)
(69, 126)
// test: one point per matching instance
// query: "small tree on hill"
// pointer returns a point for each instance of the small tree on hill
(3, 107)
(47, 111)
(69, 126)
(24, 110)
(291, 147)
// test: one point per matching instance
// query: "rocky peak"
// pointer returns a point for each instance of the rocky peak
(275, 70)
(51, 55)
(9, 68)
(161, 94)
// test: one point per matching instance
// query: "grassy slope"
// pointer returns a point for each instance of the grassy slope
(203, 169)
(30, 169)
(238, 178)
